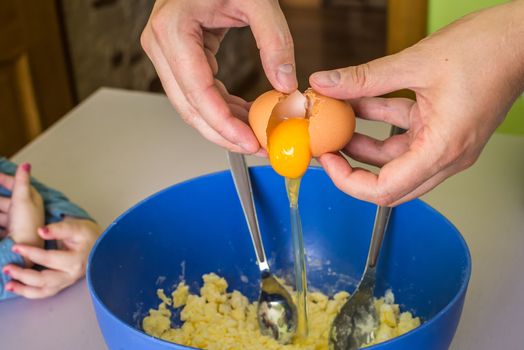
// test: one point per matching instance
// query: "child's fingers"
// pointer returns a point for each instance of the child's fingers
(22, 186)
(52, 259)
(39, 279)
(4, 204)
(28, 277)
(63, 230)
(29, 291)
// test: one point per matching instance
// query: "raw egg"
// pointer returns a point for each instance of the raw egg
(295, 127)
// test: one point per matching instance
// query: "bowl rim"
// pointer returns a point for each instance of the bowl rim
(94, 295)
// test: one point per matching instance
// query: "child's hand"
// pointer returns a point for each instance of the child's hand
(23, 213)
(64, 267)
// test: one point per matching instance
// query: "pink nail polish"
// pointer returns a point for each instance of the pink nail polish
(26, 167)
(45, 230)
(9, 288)
(15, 250)
(7, 272)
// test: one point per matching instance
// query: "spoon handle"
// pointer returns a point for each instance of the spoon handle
(240, 173)
(379, 230)
(381, 221)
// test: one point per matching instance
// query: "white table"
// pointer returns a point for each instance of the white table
(118, 147)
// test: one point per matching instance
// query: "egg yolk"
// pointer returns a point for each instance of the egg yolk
(288, 147)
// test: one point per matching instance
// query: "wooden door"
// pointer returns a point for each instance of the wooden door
(34, 80)
(407, 23)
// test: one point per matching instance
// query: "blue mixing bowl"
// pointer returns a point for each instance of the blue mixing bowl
(197, 227)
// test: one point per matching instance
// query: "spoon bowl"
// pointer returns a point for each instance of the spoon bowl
(356, 321)
(277, 314)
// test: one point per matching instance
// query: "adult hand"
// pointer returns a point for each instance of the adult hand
(182, 37)
(63, 267)
(465, 77)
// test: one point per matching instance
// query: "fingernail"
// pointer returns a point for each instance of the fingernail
(286, 68)
(262, 153)
(9, 288)
(286, 78)
(247, 147)
(15, 250)
(6, 272)
(44, 230)
(327, 79)
(26, 167)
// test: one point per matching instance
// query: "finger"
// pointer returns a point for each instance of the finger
(275, 43)
(426, 186)
(262, 153)
(369, 150)
(7, 181)
(410, 170)
(177, 98)
(184, 53)
(395, 180)
(212, 61)
(239, 112)
(62, 230)
(22, 186)
(237, 105)
(4, 220)
(40, 279)
(394, 111)
(4, 204)
(235, 100)
(52, 259)
(453, 168)
(212, 39)
(378, 77)
(353, 181)
(231, 99)
(28, 291)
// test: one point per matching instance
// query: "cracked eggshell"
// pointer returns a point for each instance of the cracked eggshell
(260, 112)
(291, 106)
(331, 123)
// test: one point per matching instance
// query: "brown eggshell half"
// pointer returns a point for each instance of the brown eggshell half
(331, 123)
(260, 112)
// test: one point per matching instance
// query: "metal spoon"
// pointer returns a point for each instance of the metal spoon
(356, 320)
(277, 313)
(353, 326)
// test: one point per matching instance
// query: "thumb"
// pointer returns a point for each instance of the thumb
(22, 183)
(378, 77)
(275, 43)
(63, 230)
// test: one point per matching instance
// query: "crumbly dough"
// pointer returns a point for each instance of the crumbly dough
(221, 320)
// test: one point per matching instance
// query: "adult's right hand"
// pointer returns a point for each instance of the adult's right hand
(182, 37)
(465, 76)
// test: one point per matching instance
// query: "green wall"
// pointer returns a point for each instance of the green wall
(442, 12)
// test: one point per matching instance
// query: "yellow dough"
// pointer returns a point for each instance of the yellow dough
(222, 320)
